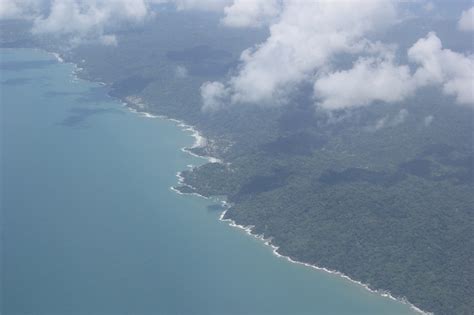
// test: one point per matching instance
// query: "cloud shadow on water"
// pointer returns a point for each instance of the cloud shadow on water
(79, 115)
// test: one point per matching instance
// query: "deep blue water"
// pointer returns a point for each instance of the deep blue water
(90, 226)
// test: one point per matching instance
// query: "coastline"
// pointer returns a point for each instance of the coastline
(137, 106)
(199, 142)
(268, 242)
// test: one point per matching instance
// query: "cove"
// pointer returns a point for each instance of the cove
(90, 225)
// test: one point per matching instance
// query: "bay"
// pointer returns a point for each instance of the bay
(90, 225)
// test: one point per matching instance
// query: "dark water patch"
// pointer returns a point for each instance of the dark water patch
(97, 94)
(79, 115)
(25, 65)
(17, 81)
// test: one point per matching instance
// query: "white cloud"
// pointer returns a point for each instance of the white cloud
(78, 19)
(369, 80)
(380, 79)
(14, 9)
(91, 20)
(306, 35)
(466, 22)
(88, 16)
(438, 66)
(213, 95)
(206, 5)
(255, 13)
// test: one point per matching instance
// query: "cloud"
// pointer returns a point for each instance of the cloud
(89, 18)
(205, 5)
(438, 66)
(14, 9)
(213, 95)
(380, 79)
(466, 22)
(306, 37)
(255, 13)
(302, 41)
(78, 19)
(369, 80)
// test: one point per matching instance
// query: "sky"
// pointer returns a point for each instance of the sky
(305, 39)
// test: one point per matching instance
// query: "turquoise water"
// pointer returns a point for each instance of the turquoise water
(90, 225)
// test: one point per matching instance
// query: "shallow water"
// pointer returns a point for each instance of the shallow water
(90, 225)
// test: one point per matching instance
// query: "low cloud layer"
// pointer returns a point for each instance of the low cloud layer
(383, 80)
(14, 9)
(79, 20)
(255, 13)
(214, 95)
(92, 20)
(370, 80)
(205, 5)
(305, 39)
(453, 71)
(89, 19)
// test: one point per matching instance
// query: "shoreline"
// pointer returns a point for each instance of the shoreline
(201, 141)
(134, 102)
(268, 242)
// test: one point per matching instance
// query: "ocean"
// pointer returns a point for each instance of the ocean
(90, 225)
